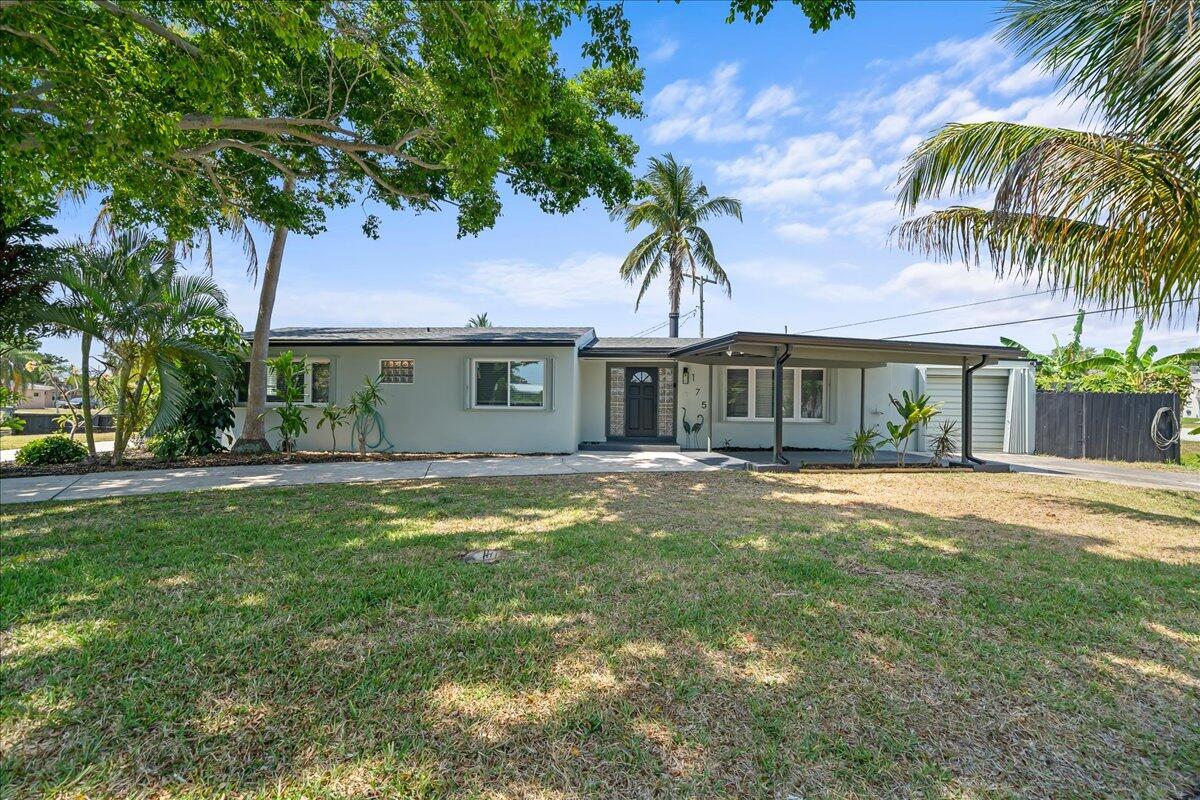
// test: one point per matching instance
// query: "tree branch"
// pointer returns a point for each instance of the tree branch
(151, 25)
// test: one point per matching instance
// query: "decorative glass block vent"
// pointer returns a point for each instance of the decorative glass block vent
(396, 370)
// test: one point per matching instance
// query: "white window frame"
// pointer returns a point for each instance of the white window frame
(752, 411)
(545, 362)
(308, 364)
(398, 383)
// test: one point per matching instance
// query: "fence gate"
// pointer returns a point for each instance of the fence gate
(1114, 427)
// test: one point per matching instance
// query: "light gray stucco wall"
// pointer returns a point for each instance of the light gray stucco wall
(432, 414)
(592, 389)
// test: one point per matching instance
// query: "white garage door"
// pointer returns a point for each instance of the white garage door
(989, 394)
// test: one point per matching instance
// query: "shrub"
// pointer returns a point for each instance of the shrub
(54, 449)
(170, 445)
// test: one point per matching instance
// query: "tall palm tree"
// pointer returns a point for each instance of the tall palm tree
(1113, 217)
(131, 296)
(675, 206)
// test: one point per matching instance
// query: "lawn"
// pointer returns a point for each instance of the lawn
(15, 441)
(686, 635)
(1189, 455)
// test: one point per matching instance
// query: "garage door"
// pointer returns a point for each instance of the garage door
(989, 394)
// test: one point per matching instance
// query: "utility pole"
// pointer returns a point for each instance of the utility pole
(700, 279)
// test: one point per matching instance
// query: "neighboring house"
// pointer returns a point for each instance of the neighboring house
(38, 395)
(1192, 407)
(551, 390)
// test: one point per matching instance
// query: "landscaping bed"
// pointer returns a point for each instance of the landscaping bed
(141, 460)
(701, 635)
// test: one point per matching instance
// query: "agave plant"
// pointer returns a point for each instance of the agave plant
(944, 442)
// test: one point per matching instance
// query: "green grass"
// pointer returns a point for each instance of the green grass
(15, 441)
(1189, 455)
(703, 635)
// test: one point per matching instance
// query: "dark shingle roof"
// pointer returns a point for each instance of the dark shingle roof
(442, 336)
(637, 345)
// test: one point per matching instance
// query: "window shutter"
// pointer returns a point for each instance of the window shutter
(548, 384)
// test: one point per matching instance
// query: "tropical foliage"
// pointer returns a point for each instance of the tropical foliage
(944, 442)
(334, 416)
(1074, 367)
(131, 296)
(364, 405)
(288, 372)
(206, 411)
(479, 321)
(863, 444)
(1111, 217)
(25, 272)
(1058, 369)
(675, 207)
(914, 411)
(1137, 370)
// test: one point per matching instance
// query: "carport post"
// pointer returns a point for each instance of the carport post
(780, 357)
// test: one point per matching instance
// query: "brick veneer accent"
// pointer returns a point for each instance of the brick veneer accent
(616, 401)
(666, 401)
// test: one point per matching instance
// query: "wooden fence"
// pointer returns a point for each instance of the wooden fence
(1114, 427)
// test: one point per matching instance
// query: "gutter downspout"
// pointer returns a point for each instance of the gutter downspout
(862, 398)
(780, 358)
(968, 373)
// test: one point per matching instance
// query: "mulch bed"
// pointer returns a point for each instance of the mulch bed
(141, 460)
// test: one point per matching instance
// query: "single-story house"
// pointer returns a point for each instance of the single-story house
(554, 390)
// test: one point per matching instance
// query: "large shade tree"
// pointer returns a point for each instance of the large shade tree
(1110, 217)
(675, 207)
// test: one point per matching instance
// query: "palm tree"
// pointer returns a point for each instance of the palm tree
(131, 296)
(1112, 218)
(479, 321)
(675, 206)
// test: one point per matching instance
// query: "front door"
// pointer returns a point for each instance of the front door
(641, 401)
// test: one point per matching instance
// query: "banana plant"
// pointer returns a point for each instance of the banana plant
(1058, 368)
(1138, 370)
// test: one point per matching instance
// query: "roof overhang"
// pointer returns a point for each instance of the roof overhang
(752, 347)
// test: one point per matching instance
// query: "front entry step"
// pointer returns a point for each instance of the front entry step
(630, 446)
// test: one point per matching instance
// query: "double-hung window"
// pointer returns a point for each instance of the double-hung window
(750, 393)
(315, 382)
(509, 383)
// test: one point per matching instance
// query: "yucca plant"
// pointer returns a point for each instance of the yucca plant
(863, 444)
(944, 441)
(334, 416)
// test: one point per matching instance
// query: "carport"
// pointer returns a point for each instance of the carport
(753, 349)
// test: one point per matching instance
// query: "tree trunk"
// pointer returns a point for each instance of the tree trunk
(85, 396)
(122, 404)
(674, 288)
(254, 434)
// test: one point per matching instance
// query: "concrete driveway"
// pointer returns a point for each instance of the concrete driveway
(1111, 472)
(134, 482)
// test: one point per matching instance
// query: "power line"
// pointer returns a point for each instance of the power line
(662, 325)
(1032, 319)
(930, 311)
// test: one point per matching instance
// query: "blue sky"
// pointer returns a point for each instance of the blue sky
(807, 130)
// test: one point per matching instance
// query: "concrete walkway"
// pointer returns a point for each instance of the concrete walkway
(135, 482)
(1126, 475)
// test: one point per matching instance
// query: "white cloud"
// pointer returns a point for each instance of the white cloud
(800, 277)
(937, 280)
(802, 232)
(774, 101)
(803, 169)
(1024, 78)
(708, 112)
(664, 51)
(586, 279)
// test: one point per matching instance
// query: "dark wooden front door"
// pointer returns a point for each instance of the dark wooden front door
(641, 401)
